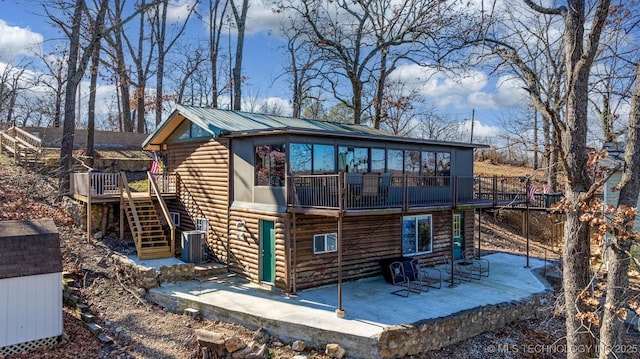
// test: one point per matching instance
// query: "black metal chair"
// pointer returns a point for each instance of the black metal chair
(429, 277)
(481, 264)
(400, 278)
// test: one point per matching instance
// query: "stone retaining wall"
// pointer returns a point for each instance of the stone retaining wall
(148, 277)
(433, 334)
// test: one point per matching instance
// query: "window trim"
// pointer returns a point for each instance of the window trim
(175, 217)
(326, 246)
(201, 224)
(415, 237)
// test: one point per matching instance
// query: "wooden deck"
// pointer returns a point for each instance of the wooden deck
(357, 194)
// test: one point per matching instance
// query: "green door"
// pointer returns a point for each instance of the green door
(267, 251)
(458, 235)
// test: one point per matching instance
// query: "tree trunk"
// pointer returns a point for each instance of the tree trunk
(240, 18)
(612, 326)
(91, 120)
(69, 125)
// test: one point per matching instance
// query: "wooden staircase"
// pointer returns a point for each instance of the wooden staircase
(149, 236)
(144, 221)
(25, 148)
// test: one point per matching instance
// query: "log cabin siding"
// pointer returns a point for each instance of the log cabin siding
(245, 252)
(195, 161)
(366, 241)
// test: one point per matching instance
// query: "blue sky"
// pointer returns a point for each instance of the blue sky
(23, 27)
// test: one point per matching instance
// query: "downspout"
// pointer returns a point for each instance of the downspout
(229, 195)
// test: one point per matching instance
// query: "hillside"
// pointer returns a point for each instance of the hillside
(143, 330)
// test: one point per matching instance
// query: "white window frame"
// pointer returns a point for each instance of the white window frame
(415, 234)
(325, 238)
(175, 218)
(202, 224)
(457, 225)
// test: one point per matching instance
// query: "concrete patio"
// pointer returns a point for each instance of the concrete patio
(377, 323)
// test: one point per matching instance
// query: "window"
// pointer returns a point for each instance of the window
(324, 243)
(429, 163)
(416, 235)
(444, 164)
(378, 160)
(457, 225)
(353, 159)
(202, 224)
(411, 162)
(269, 165)
(305, 159)
(394, 161)
(300, 158)
(175, 218)
(324, 159)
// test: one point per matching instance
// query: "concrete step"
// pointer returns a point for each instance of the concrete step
(216, 278)
(210, 269)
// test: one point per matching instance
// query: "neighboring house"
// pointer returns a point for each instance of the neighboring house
(30, 285)
(296, 203)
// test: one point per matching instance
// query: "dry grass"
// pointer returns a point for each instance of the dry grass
(486, 168)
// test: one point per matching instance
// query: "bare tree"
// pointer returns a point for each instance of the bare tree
(217, 14)
(362, 41)
(615, 306)
(55, 80)
(240, 18)
(164, 45)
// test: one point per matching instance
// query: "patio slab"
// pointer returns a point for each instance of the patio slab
(370, 307)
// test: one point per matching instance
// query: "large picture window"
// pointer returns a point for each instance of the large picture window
(314, 158)
(417, 235)
(269, 165)
(353, 159)
(324, 243)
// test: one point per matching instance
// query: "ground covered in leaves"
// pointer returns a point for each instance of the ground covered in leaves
(143, 330)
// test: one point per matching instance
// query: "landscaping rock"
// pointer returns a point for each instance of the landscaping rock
(334, 350)
(298, 346)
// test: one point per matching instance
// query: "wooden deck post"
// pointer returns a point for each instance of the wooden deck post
(340, 312)
(89, 195)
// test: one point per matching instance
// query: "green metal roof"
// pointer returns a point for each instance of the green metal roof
(227, 123)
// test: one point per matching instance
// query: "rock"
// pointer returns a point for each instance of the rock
(261, 335)
(234, 344)
(213, 341)
(300, 357)
(334, 350)
(298, 346)
(98, 235)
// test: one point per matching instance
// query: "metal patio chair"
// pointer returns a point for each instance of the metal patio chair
(400, 278)
(429, 277)
(482, 265)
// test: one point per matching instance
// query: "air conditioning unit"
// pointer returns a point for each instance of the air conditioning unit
(193, 246)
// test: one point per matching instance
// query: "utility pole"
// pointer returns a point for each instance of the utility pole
(473, 116)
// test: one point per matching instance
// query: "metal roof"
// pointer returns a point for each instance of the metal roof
(227, 123)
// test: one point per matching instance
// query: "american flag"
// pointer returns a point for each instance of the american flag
(155, 164)
(545, 189)
(531, 192)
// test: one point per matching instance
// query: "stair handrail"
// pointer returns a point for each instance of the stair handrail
(165, 210)
(134, 213)
(31, 141)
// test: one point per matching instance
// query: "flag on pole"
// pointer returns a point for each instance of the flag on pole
(155, 164)
(531, 192)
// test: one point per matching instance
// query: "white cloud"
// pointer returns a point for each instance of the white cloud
(15, 40)
(480, 130)
(177, 11)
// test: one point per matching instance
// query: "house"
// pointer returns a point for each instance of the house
(295, 203)
(30, 285)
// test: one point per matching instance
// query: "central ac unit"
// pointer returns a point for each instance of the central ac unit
(193, 246)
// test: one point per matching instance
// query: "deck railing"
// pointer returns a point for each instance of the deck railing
(95, 184)
(353, 191)
(108, 184)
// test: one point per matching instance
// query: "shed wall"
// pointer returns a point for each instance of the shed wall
(31, 308)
